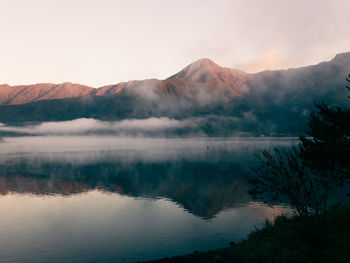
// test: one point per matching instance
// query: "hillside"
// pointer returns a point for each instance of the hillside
(224, 102)
(319, 238)
(22, 94)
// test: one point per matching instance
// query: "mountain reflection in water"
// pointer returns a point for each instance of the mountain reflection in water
(202, 175)
(201, 188)
(109, 199)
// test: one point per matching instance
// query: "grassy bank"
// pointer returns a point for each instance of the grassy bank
(319, 238)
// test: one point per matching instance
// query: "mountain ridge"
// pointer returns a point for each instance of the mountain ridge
(201, 75)
(21, 94)
(271, 103)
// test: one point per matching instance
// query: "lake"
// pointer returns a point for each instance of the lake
(114, 199)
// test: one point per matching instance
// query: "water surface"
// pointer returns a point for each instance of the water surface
(111, 199)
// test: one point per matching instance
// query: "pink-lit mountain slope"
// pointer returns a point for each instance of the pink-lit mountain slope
(201, 78)
(43, 91)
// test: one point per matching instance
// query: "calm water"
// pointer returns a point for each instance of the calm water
(109, 199)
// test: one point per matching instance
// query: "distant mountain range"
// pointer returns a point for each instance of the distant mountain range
(222, 101)
(202, 76)
(22, 94)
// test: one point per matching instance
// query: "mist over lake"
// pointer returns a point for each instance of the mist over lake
(114, 199)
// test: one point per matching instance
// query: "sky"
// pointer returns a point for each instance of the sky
(100, 42)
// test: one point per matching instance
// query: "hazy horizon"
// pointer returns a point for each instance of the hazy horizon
(106, 84)
(97, 43)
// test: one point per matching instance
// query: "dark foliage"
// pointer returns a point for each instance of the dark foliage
(283, 177)
(303, 176)
(322, 238)
(218, 256)
(319, 238)
(327, 152)
(348, 80)
(328, 149)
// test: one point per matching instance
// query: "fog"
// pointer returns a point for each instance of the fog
(83, 149)
(206, 126)
(215, 125)
(83, 126)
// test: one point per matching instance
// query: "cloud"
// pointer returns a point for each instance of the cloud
(271, 60)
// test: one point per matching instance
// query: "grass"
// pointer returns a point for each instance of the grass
(319, 238)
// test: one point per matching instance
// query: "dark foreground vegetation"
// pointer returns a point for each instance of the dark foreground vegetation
(318, 238)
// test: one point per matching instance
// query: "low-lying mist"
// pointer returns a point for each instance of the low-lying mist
(201, 126)
(207, 126)
(83, 126)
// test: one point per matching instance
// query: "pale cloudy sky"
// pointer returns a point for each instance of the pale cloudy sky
(98, 42)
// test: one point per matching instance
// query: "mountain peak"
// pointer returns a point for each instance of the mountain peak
(209, 74)
(197, 70)
(204, 62)
(199, 67)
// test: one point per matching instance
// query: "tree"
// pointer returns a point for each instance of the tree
(327, 150)
(284, 177)
(303, 176)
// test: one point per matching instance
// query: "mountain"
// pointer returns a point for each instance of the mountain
(218, 101)
(204, 71)
(45, 91)
(201, 80)
(198, 80)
